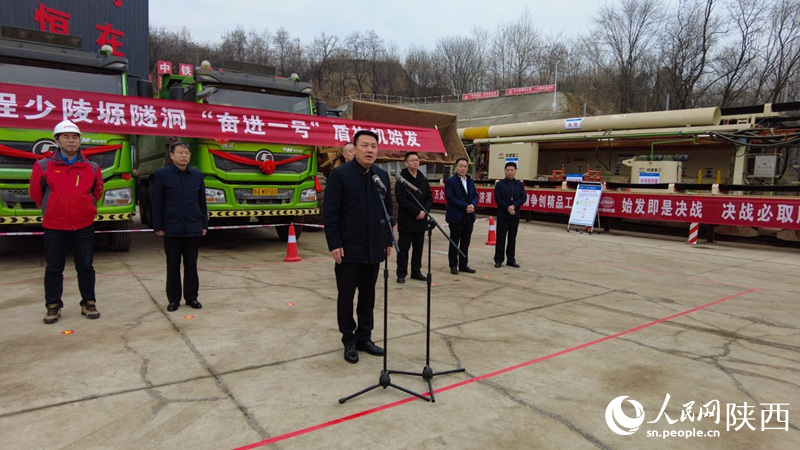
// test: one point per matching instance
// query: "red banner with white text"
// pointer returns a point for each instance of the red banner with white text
(748, 211)
(42, 108)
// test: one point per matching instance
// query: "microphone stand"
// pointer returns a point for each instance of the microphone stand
(384, 380)
(427, 372)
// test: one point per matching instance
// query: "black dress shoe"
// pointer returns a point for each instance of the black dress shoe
(454, 271)
(419, 276)
(513, 264)
(350, 353)
(467, 269)
(370, 348)
(195, 304)
(498, 265)
(172, 307)
(401, 280)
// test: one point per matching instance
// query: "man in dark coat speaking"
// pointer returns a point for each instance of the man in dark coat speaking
(358, 241)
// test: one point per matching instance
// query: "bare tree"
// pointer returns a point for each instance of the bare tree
(687, 44)
(175, 47)
(424, 80)
(323, 48)
(622, 45)
(235, 46)
(515, 49)
(734, 63)
(462, 62)
(781, 56)
(288, 53)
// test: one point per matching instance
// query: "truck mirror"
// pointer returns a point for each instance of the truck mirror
(322, 108)
(206, 92)
(144, 88)
(176, 93)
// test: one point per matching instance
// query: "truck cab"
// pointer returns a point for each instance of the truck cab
(238, 188)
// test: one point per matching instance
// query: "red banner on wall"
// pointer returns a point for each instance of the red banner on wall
(748, 211)
(479, 95)
(42, 108)
(543, 88)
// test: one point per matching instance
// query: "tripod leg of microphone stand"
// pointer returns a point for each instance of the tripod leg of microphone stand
(363, 391)
(407, 391)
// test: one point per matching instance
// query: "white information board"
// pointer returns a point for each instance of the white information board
(585, 204)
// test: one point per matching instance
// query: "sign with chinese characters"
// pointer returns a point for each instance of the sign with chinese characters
(573, 124)
(531, 89)
(479, 95)
(649, 177)
(584, 207)
(42, 108)
(734, 210)
(120, 24)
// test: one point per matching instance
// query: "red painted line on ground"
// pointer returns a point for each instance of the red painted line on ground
(331, 423)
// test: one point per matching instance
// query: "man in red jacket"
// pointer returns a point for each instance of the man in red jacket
(67, 187)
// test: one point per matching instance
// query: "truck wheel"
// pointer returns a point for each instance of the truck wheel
(120, 242)
(145, 212)
(283, 231)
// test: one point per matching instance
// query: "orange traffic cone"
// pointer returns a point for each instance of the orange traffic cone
(492, 235)
(291, 246)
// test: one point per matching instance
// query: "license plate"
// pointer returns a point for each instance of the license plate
(265, 192)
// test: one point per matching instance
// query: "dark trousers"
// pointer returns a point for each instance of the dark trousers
(414, 240)
(186, 248)
(461, 234)
(349, 277)
(56, 244)
(506, 226)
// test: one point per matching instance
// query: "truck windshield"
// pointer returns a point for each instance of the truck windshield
(260, 100)
(106, 83)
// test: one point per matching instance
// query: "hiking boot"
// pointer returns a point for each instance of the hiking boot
(89, 310)
(53, 313)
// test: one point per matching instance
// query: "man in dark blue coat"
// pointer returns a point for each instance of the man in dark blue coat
(412, 222)
(510, 195)
(180, 216)
(358, 240)
(462, 199)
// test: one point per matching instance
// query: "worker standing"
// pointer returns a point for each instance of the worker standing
(67, 187)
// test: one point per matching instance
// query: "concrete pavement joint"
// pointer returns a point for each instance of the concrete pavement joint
(557, 417)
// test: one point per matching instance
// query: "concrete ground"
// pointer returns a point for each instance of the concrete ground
(547, 348)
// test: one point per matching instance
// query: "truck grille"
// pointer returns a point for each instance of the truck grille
(17, 198)
(296, 167)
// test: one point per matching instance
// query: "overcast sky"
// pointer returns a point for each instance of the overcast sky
(404, 22)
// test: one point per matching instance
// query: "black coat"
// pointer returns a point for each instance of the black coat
(507, 193)
(353, 213)
(179, 202)
(407, 208)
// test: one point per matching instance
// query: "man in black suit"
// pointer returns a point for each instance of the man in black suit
(358, 241)
(462, 199)
(412, 222)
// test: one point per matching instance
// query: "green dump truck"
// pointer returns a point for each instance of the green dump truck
(30, 59)
(238, 188)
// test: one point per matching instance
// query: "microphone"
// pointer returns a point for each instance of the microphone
(405, 183)
(377, 180)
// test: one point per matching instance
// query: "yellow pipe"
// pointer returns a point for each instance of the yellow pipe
(632, 121)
